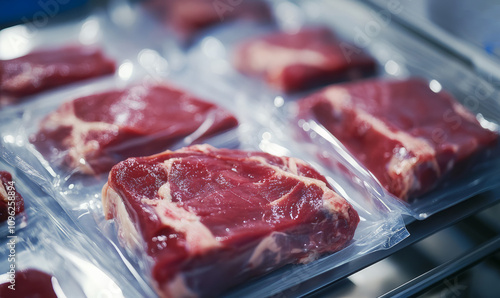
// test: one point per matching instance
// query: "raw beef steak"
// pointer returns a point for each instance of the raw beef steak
(30, 283)
(308, 58)
(45, 69)
(93, 133)
(9, 194)
(407, 135)
(187, 17)
(211, 218)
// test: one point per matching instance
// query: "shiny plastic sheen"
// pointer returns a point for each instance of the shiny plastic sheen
(407, 135)
(200, 209)
(74, 230)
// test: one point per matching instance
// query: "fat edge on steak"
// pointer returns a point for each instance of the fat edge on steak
(211, 218)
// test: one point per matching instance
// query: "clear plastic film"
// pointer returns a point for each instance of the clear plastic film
(47, 252)
(402, 57)
(78, 193)
(205, 72)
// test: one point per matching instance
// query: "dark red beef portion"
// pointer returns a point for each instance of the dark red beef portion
(187, 17)
(46, 69)
(297, 61)
(30, 283)
(241, 198)
(105, 128)
(407, 135)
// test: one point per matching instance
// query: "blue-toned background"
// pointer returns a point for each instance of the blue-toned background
(21, 11)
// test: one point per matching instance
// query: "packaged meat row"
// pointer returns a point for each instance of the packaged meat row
(464, 134)
(81, 146)
(441, 105)
(404, 133)
(45, 255)
(236, 213)
(45, 69)
(290, 188)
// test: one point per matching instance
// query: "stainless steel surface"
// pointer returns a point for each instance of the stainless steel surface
(434, 241)
(467, 29)
(454, 253)
(444, 271)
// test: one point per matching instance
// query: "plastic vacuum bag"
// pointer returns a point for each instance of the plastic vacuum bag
(206, 72)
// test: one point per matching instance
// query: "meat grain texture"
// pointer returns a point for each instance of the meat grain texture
(211, 218)
(45, 69)
(408, 136)
(298, 61)
(92, 133)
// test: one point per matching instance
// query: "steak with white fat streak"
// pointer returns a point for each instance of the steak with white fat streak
(408, 136)
(92, 133)
(301, 60)
(201, 210)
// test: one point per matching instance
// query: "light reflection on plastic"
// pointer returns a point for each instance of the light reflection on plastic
(290, 16)
(9, 139)
(125, 70)
(338, 189)
(435, 86)
(57, 288)
(213, 48)
(312, 9)
(487, 124)
(278, 101)
(150, 59)
(273, 148)
(306, 126)
(19, 141)
(90, 32)
(372, 275)
(266, 136)
(15, 42)
(147, 57)
(220, 66)
(392, 67)
(123, 15)
(71, 186)
(4, 278)
(94, 282)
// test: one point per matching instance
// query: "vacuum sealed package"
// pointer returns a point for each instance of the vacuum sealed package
(147, 242)
(44, 69)
(212, 234)
(29, 66)
(401, 131)
(107, 127)
(446, 116)
(47, 255)
(426, 130)
(301, 60)
(178, 162)
(189, 18)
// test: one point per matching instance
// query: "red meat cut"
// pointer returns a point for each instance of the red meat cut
(92, 133)
(11, 202)
(45, 69)
(30, 283)
(211, 218)
(302, 60)
(407, 135)
(187, 17)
